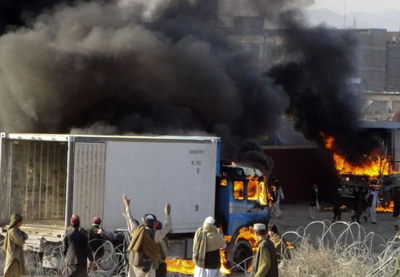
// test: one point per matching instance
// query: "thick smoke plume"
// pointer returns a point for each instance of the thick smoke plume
(80, 65)
(15, 13)
(131, 67)
(317, 78)
(162, 67)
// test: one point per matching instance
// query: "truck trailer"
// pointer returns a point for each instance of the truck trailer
(49, 177)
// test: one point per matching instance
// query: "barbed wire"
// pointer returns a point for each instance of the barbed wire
(50, 263)
(319, 249)
(338, 249)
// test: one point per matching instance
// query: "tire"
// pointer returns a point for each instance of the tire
(242, 256)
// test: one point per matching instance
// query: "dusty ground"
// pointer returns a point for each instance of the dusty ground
(297, 215)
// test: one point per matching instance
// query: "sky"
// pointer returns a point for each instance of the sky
(339, 6)
(381, 14)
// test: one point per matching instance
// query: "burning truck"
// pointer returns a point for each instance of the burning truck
(47, 178)
(380, 170)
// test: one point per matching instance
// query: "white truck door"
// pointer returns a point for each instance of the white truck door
(88, 184)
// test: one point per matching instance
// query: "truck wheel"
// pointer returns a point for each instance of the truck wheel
(242, 256)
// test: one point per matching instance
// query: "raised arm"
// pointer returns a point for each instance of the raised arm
(160, 234)
(130, 222)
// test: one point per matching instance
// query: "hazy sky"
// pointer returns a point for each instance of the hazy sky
(338, 6)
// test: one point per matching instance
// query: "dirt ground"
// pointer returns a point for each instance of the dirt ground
(297, 215)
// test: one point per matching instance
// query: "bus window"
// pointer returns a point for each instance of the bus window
(238, 190)
(263, 193)
(252, 189)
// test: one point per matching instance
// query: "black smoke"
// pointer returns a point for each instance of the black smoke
(163, 67)
(317, 77)
(17, 13)
(140, 67)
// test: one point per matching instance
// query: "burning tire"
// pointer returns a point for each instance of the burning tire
(242, 256)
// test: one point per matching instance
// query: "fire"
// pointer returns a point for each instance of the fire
(186, 267)
(238, 190)
(224, 263)
(385, 209)
(373, 168)
(374, 165)
(290, 245)
(256, 190)
(247, 233)
(180, 266)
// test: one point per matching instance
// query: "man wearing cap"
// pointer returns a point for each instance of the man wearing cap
(144, 254)
(264, 261)
(97, 237)
(281, 247)
(75, 219)
(208, 240)
(14, 265)
(76, 250)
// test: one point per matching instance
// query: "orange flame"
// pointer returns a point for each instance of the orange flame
(290, 245)
(247, 233)
(238, 190)
(385, 208)
(373, 165)
(180, 266)
(186, 267)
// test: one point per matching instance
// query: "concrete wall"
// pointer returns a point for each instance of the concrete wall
(393, 67)
(372, 67)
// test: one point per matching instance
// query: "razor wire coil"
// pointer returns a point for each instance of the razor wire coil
(319, 249)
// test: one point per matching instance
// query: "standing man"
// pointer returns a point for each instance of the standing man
(97, 237)
(281, 247)
(396, 208)
(337, 205)
(314, 203)
(372, 201)
(13, 246)
(208, 239)
(76, 250)
(277, 196)
(163, 247)
(265, 262)
(358, 204)
(144, 254)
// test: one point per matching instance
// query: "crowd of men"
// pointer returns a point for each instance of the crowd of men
(147, 248)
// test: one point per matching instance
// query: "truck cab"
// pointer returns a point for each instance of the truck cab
(242, 200)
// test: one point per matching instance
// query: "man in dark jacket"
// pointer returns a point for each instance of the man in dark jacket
(265, 262)
(314, 201)
(97, 238)
(359, 204)
(337, 205)
(76, 250)
(396, 208)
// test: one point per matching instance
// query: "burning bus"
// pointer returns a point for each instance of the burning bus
(49, 177)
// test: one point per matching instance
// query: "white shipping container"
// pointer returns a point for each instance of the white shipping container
(47, 178)
(153, 173)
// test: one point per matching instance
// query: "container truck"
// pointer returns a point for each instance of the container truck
(49, 177)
